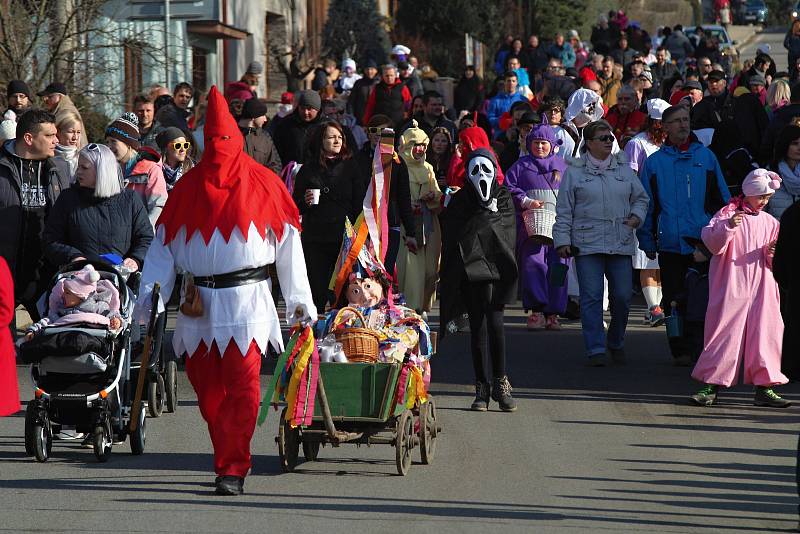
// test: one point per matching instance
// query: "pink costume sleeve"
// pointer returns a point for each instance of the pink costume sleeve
(718, 233)
(773, 237)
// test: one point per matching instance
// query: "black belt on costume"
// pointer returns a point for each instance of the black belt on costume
(234, 279)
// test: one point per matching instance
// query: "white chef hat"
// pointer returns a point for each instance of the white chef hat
(656, 107)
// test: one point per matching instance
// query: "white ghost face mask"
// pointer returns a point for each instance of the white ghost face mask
(481, 174)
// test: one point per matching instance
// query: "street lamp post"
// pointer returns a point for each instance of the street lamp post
(166, 42)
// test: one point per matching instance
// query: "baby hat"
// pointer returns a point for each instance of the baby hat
(760, 182)
(82, 283)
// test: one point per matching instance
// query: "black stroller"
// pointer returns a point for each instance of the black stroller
(82, 376)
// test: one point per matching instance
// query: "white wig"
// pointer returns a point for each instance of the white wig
(108, 171)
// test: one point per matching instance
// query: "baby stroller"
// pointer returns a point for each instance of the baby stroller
(81, 375)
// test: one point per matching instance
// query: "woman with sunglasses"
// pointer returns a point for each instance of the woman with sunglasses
(175, 160)
(97, 215)
(140, 169)
(600, 203)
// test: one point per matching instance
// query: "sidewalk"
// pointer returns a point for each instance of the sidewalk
(743, 34)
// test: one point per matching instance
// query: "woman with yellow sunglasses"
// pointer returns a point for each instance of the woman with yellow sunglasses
(174, 154)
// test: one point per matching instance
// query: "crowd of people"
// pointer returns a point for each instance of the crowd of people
(587, 170)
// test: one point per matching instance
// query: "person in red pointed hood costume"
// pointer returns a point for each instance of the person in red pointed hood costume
(469, 139)
(224, 223)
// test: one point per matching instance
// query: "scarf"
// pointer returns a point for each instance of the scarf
(70, 155)
(600, 164)
(791, 178)
(171, 176)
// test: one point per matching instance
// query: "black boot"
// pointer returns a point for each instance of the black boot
(501, 392)
(481, 402)
(229, 485)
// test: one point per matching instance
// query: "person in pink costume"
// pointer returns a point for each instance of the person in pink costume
(743, 321)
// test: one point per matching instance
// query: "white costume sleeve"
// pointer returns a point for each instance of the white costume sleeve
(291, 266)
(159, 266)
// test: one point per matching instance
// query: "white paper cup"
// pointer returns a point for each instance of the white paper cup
(315, 199)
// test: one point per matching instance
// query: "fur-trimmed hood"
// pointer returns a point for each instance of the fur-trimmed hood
(617, 160)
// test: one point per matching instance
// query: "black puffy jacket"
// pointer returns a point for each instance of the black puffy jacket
(343, 186)
(13, 231)
(81, 224)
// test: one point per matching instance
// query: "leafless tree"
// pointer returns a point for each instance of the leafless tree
(295, 62)
(65, 40)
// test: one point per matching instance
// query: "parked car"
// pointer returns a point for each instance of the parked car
(727, 46)
(755, 12)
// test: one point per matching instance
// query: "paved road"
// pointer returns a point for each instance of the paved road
(590, 450)
(774, 38)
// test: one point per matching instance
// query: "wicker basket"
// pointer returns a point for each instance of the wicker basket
(359, 344)
(539, 224)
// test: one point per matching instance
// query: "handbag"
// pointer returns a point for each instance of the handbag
(192, 305)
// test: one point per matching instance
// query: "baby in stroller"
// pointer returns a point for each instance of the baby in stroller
(81, 297)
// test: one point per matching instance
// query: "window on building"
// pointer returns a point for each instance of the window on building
(132, 52)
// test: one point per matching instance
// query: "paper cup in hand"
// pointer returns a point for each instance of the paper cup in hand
(315, 196)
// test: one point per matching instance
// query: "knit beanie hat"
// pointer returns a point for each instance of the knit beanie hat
(255, 68)
(8, 130)
(125, 129)
(167, 135)
(309, 99)
(18, 86)
(82, 283)
(253, 108)
(760, 182)
(349, 63)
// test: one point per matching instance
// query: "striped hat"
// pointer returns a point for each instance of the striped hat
(125, 129)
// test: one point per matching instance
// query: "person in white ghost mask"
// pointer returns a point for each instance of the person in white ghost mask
(584, 106)
(479, 272)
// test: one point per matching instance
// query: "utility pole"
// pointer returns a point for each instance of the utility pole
(166, 43)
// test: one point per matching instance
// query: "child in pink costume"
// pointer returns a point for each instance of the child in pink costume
(743, 321)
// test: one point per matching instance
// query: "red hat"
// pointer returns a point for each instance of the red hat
(227, 189)
(287, 97)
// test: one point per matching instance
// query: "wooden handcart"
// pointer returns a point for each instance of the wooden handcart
(356, 403)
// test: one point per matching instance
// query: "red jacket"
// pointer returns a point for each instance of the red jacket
(9, 392)
(626, 126)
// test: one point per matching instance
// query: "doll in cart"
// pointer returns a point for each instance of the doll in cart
(365, 300)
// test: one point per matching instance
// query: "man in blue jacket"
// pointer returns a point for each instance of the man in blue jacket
(502, 102)
(686, 187)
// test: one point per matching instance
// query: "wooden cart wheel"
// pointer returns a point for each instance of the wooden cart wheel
(288, 444)
(427, 431)
(404, 442)
(311, 450)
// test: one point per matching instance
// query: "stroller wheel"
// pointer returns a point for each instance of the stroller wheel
(171, 383)
(30, 422)
(156, 397)
(102, 442)
(43, 442)
(139, 436)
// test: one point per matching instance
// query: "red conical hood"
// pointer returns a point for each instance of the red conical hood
(227, 189)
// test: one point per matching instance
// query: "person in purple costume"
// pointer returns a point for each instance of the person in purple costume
(533, 182)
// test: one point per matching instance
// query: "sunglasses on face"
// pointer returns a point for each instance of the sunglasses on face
(182, 146)
(604, 138)
(375, 129)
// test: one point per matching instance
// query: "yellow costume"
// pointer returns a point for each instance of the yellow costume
(417, 273)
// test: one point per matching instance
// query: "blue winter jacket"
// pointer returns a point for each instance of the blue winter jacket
(499, 105)
(685, 190)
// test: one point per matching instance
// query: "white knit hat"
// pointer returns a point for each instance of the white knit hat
(8, 130)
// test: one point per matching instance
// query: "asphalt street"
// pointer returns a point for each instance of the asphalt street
(769, 36)
(614, 449)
